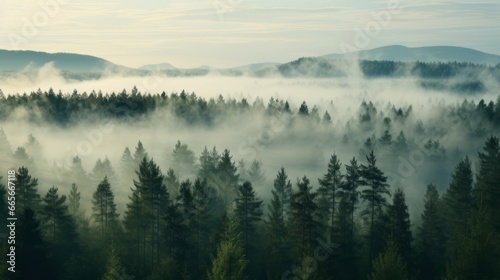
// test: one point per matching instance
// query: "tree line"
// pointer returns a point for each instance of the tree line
(66, 109)
(347, 224)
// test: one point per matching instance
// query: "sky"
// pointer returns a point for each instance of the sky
(230, 33)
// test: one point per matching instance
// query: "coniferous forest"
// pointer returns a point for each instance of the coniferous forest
(299, 191)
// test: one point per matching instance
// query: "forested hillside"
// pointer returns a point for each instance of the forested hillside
(402, 196)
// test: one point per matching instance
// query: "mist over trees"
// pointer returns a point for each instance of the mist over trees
(222, 213)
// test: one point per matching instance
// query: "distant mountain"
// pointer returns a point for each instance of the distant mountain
(158, 67)
(423, 54)
(255, 66)
(19, 60)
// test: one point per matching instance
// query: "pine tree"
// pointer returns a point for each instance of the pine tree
(459, 197)
(283, 189)
(148, 202)
(60, 230)
(78, 175)
(476, 254)
(400, 146)
(103, 169)
(104, 207)
(114, 268)
(303, 110)
(31, 246)
(127, 165)
(349, 190)
(431, 237)
(227, 178)
(203, 196)
(386, 139)
(276, 229)
(374, 197)
(389, 265)
(229, 262)
(186, 207)
(208, 164)
(255, 175)
(135, 226)
(26, 191)
(172, 183)
(183, 159)
(249, 212)
(277, 220)
(327, 119)
(399, 225)
(53, 213)
(344, 263)
(126, 171)
(74, 200)
(330, 185)
(487, 190)
(140, 153)
(21, 158)
(303, 228)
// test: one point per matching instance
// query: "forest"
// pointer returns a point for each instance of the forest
(365, 208)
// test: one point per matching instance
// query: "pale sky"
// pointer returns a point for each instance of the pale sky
(229, 33)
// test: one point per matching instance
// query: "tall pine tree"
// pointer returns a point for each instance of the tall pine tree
(374, 196)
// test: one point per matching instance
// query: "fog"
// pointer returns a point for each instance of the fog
(301, 148)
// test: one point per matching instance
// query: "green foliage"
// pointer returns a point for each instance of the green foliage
(477, 252)
(399, 227)
(487, 190)
(104, 207)
(26, 191)
(374, 196)
(229, 262)
(303, 228)
(459, 197)
(431, 237)
(249, 212)
(143, 218)
(389, 264)
(114, 269)
(30, 246)
(226, 179)
(277, 221)
(183, 159)
(328, 192)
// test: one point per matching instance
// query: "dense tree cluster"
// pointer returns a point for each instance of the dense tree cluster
(214, 225)
(65, 109)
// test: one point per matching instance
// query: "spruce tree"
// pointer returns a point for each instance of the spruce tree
(227, 178)
(229, 262)
(203, 196)
(31, 246)
(104, 207)
(374, 196)
(183, 159)
(459, 197)
(140, 153)
(431, 238)
(389, 264)
(26, 191)
(277, 221)
(249, 212)
(330, 185)
(255, 174)
(399, 225)
(60, 230)
(349, 189)
(303, 228)
(487, 190)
